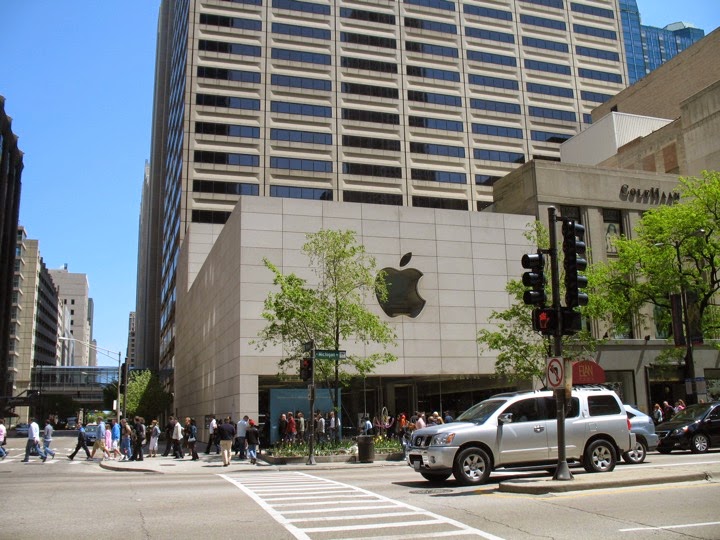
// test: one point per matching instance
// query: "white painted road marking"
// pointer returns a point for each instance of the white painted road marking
(708, 524)
(292, 499)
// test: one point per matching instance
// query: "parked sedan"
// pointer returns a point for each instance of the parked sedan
(646, 439)
(696, 428)
(90, 433)
(21, 429)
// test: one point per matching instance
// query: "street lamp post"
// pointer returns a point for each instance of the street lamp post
(109, 354)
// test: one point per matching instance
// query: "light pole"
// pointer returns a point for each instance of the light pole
(109, 354)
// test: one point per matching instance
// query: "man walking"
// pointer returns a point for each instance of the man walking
(139, 429)
(242, 426)
(47, 438)
(33, 442)
(226, 431)
(99, 438)
(211, 435)
(115, 439)
(177, 438)
(81, 443)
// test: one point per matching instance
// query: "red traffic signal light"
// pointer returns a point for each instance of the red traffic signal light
(544, 320)
(306, 369)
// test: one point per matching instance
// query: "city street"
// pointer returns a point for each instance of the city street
(75, 499)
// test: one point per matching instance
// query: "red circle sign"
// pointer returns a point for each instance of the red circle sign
(556, 373)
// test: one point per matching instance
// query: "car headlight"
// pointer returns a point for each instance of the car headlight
(442, 439)
(680, 431)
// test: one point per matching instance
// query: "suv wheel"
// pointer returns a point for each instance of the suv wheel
(472, 466)
(699, 443)
(599, 456)
(636, 455)
(435, 477)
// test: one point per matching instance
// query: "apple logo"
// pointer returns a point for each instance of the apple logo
(403, 296)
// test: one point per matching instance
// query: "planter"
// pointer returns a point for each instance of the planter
(337, 458)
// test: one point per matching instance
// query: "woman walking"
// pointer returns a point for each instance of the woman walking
(252, 436)
(191, 431)
(154, 437)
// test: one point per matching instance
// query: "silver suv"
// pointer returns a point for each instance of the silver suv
(520, 429)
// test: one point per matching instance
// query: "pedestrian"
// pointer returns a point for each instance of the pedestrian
(300, 421)
(668, 411)
(253, 437)
(448, 417)
(242, 426)
(108, 442)
(291, 427)
(126, 436)
(657, 414)
(168, 437)
(679, 406)
(138, 440)
(282, 428)
(33, 442)
(212, 428)
(154, 437)
(99, 443)
(192, 439)
(3, 437)
(420, 422)
(177, 436)
(226, 432)
(320, 427)
(115, 438)
(47, 438)
(332, 426)
(81, 443)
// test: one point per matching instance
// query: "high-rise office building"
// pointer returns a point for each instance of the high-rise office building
(73, 290)
(11, 166)
(648, 47)
(130, 354)
(422, 103)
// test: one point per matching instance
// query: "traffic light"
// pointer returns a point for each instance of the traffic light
(544, 320)
(535, 278)
(574, 253)
(306, 369)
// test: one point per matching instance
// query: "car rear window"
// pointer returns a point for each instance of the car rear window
(603, 405)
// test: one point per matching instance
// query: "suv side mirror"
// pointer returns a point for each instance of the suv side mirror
(505, 418)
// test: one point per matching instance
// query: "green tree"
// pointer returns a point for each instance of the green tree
(145, 395)
(329, 311)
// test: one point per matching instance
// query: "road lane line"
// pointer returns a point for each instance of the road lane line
(707, 524)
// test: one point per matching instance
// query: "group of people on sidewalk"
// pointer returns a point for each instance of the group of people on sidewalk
(32, 447)
(225, 437)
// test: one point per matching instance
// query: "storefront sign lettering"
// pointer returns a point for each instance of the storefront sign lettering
(648, 196)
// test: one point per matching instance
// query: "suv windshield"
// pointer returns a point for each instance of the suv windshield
(692, 412)
(480, 412)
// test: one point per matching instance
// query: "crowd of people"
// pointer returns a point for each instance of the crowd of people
(666, 411)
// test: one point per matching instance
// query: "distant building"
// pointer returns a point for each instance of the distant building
(73, 290)
(130, 354)
(648, 47)
(11, 166)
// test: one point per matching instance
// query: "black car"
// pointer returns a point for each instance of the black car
(696, 428)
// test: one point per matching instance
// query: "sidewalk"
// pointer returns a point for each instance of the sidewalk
(623, 476)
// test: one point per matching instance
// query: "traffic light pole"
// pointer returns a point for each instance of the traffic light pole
(562, 472)
(311, 419)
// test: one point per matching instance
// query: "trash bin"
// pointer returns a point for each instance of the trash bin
(366, 448)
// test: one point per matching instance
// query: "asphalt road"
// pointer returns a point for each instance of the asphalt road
(63, 499)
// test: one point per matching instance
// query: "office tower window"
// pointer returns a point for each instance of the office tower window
(487, 12)
(437, 149)
(436, 99)
(297, 164)
(301, 109)
(438, 176)
(370, 16)
(371, 116)
(543, 22)
(230, 22)
(227, 130)
(595, 32)
(495, 82)
(496, 106)
(229, 48)
(249, 2)
(210, 216)
(364, 169)
(225, 188)
(368, 40)
(595, 97)
(370, 197)
(211, 100)
(301, 31)
(440, 202)
(499, 155)
(306, 7)
(435, 123)
(301, 56)
(497, 131)
(492, 35)
(592, 10)
(554, 114)
(558, 4)
(433, 73)
(301, 82)
(308, 137)
(369, 90)
(224, 158)
(597, 53)
(433, 26)
(542, 157)
(587, 118)
(548, 67)
(547, 136)
(545, 44)
(492, 58)
(599, 75)
(549, 90)
(427, 48)
(228, 74)
(486, 179)
(437, 4)
(369, 65)
(293, 192)
(370, 142)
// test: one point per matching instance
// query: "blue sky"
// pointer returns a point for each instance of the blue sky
(77, 77)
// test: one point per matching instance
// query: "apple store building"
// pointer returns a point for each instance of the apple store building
(449, 270)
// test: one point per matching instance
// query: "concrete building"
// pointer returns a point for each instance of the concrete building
(648, 47)
(11, 166)
(73, 291)
(130, 353)
(422, 103)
